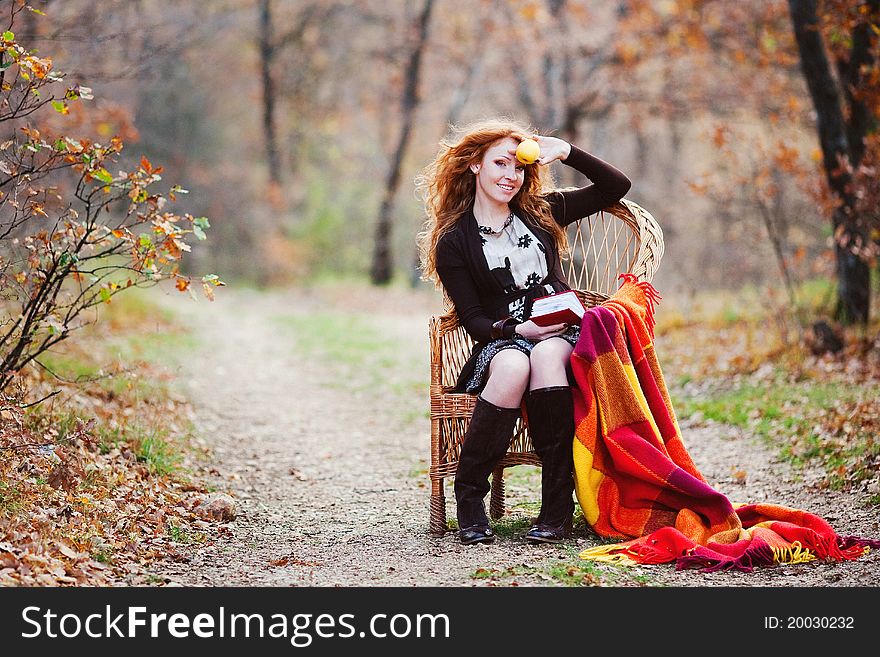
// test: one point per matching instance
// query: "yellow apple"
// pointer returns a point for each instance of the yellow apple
(528, 151)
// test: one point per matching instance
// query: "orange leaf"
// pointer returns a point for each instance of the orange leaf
(529, 11)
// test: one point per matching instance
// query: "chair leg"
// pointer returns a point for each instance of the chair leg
(437, 525)
(496, 497)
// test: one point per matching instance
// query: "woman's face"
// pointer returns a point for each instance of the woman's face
(499, 174)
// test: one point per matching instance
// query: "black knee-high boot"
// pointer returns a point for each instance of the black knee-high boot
(485, 443)
(551, 426)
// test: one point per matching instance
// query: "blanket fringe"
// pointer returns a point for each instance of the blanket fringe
(755, 556)
(795, 553)
(839, 549)
(611, 553)
(842, 548)
(652, 297)
(853, 547)
(847, 543)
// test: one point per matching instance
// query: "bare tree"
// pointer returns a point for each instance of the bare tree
(381, 269)
(270, 49)
(267, 55)
(843, 121)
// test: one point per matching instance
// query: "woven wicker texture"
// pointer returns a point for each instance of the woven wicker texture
(623, 238)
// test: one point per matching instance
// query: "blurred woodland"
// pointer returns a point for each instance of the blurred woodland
(298, 126)
(294, 130)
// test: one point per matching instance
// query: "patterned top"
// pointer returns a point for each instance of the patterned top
(516, 258)
(461, 264)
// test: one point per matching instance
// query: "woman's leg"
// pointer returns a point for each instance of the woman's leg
(551, 426)
(486, 441)
(549, 363)
(509, 373)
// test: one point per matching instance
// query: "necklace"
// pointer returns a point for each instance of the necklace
(489, 231)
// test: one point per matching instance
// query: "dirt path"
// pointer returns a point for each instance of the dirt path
(328, 464)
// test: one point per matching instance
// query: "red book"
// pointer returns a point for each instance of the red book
(560, 308)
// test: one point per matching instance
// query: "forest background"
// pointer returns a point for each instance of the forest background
(284, 118)
(297, 128)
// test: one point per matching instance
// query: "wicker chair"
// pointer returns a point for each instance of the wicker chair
(621, 238)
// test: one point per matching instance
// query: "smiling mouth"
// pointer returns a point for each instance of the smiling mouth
(506, 188)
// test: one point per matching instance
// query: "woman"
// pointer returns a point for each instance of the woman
(494, 240)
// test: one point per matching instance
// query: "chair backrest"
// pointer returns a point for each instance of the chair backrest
(622, 238)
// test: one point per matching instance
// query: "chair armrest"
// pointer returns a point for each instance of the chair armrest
(450, 346)
(651, 246)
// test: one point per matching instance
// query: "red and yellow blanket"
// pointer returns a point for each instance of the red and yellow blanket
(634, 478)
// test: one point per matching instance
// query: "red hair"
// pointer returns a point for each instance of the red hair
(448, 187)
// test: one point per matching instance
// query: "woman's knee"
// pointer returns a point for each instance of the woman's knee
(551, 353)
(549, 364)
(510, 365)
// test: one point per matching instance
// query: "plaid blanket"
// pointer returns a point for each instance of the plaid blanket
(634, 478)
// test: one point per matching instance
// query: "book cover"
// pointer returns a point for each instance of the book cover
(559, 308)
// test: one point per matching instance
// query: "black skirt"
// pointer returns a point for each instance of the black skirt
(475, 372)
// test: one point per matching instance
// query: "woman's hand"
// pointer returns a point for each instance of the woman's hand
(537, 333)
(552, 149)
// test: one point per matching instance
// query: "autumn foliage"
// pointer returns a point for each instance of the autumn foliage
(767, 67)
(97, 482)
(75, 230)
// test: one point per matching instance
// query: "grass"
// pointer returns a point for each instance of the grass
(560, 564)
(568, 571)
(11, 499)
(123, 475)
(348, 340)
(805, 421)
(742, 362)
(161, 456)
(110, 438)
(180, 533)
(760, 407)
(362, 357)
(168, 347)
(103, 556)
(586, 573)
(126, 354)
(510, 527)
(110, 355)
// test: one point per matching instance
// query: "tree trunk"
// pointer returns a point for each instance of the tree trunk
(555, 62)
(462, 93)
(381, 269)
(842, 147)
(267, 56)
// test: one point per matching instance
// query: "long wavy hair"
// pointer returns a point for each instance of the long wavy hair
(447, 187)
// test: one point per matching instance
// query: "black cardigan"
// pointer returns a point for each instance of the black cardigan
(478, 296)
